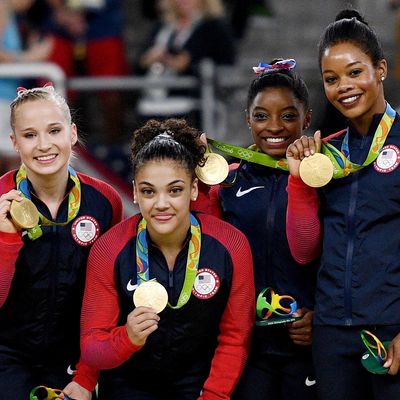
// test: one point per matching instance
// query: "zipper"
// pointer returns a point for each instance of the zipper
(270, 224)
(350, 251)
(53, 282)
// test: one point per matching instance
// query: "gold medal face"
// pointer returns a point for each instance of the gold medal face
(316, 170)
(214, 171)
(151, 294)
(24, 214)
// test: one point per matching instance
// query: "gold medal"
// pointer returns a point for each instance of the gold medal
(151, 294)
(24, 214)
(316, 170)
(214, 171)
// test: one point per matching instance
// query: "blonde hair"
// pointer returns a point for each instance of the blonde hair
(212, 8)
(42, 93)
(207, 8)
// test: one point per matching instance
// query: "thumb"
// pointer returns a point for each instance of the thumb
(389, 358)
(317, 139)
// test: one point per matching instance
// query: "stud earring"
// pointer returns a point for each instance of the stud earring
(383, 77)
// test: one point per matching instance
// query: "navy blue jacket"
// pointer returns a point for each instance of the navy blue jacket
(41, 312)
(207, 337)
(256, 204)
(359, 277)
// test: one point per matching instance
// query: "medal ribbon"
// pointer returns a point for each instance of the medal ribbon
(342, 166)
(274, 306)
(250, 154)
(192, 261)
(74, 201)
(376, 349)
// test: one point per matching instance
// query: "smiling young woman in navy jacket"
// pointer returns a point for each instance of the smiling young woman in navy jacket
(354, 219)
(279, 365)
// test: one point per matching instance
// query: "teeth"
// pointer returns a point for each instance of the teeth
(349, 100)
(275, 139)
(46, 158)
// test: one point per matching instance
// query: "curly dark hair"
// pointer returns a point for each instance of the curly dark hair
(350, 27)
(172, 139)
(278, 77)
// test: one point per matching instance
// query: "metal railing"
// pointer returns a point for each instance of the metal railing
(46, 70)
(205, 83)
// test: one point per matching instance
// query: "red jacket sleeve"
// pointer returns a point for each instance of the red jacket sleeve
(10, 246)
(303, 226)
(236, 323)
(86, 376)
(208, 200)
(104, 345)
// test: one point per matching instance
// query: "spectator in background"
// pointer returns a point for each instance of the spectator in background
(11, 50)
(91, 32)
(189, 31)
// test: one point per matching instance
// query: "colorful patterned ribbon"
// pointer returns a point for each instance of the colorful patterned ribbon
(342, 166)
(74, 201)
(192, 261)
(51, 394)
(282, 64)
(274, 306)
(376, 349)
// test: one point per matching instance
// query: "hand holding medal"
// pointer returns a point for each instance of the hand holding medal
(16, 212)
(375, 356)
(304, 159)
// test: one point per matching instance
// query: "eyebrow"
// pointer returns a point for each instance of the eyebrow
(283, 109)
(51, 125)
(347, 66)
(168, 184)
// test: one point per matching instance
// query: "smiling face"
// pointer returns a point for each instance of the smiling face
(276, 118)
(43, 137)
(353, 84)
(163, 189)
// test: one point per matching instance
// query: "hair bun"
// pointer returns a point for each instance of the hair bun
(349, 14)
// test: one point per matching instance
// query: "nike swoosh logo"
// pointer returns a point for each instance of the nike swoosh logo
(310, 382)
(241, 192)
(131, 287)
(70, 371)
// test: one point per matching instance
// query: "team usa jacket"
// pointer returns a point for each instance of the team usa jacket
(204, 343)
(42, 281)
(256, 205)
(359, 277)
